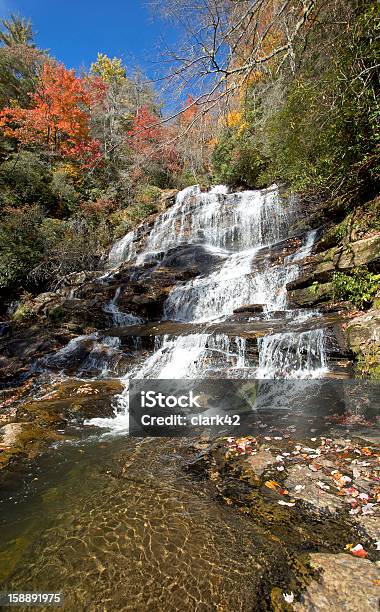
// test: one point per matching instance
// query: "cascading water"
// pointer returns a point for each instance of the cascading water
(122, 250)
(120, 318)
(292, 355)
(244, 228)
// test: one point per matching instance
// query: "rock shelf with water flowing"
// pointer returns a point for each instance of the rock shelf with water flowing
(230, 319)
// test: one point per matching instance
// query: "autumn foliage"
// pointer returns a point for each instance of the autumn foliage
(154, 141)
(58, 116)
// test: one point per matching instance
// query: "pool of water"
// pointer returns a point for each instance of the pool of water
(118, 525)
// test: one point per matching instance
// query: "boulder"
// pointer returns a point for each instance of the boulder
(363, 331)
(320, 267)
(301, 476)
(311, 296)
(345, 583)
(363, 338)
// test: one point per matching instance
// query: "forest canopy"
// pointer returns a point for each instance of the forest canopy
(266, 91)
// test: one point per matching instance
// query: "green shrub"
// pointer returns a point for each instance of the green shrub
(148, 194)
(138, 212)
(325, 135)
(359, 287)
(236, 161)
(21, 244)
(63, 190)
(25, 179)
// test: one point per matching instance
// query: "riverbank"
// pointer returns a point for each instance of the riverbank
(319, 498)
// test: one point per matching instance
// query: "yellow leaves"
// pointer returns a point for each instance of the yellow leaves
(272, 484)
(108, 69)
(234, 119)
(71, 171)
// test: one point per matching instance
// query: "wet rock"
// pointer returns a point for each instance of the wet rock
(310, 296)
(363, 338)
(10, 433)
(197, 257)
(301, 482)
(371, 525)
(73, 401)
(167, 199)
(345, 583)
(259, 462)
(251, 308)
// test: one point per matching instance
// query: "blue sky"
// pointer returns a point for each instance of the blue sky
(75, 30)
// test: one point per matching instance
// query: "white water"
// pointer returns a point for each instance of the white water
(118, 318)
(95, 356)
(122, 250)
(240, 225)
(292, 355)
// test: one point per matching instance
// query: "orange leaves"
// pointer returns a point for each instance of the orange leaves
(357, 551)
(190, 111)
(272, 484)
(58, 117)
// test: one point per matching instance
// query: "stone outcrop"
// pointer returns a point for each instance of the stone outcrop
(363, 337)
(313, 286)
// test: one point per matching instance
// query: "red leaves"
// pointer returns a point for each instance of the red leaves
(154, 141)
(357, 551)
(58, 117)
(145, 129)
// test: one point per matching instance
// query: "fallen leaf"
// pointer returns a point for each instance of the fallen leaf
(289, 597)
(299, 487)
(314, 467)
(358, 551)
(271, 484)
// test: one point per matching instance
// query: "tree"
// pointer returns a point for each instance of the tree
(20, 61)
(109, 70)
(58, 118)
(226, 43)
(16, 31)
(151, 143)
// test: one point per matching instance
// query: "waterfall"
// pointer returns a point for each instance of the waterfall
(118, 318)
(90, 355)
(122, 250)
(292, 355)
(243, 228)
